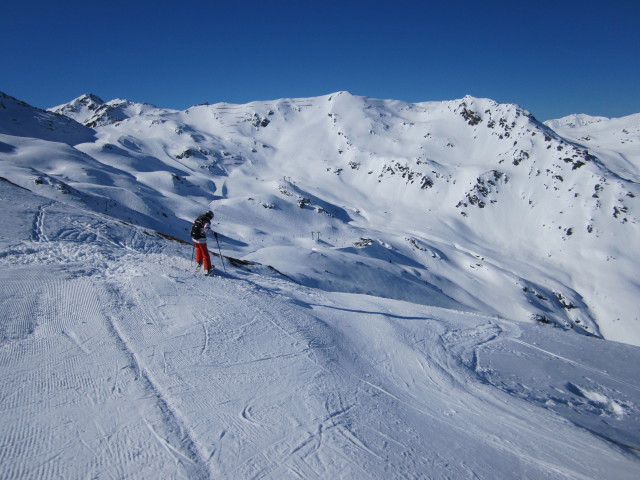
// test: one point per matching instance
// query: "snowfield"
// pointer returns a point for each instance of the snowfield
(351, 335)
(119, 362)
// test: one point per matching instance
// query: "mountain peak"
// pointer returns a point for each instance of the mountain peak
(20, 119)
(92, 111)
(576, 120)
(90, 98)
(80, 109)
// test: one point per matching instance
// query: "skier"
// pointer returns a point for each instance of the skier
(199, 230)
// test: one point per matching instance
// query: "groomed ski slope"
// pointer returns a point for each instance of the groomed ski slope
(118, 361)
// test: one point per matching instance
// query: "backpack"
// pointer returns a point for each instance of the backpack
(196, 228)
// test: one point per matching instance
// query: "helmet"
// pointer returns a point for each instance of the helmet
(209, 214)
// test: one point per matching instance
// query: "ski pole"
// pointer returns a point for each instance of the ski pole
(220, 251)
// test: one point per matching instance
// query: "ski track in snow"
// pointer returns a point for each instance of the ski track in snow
(39, 234)
(186, 449)
(627, 384)
(118, 362)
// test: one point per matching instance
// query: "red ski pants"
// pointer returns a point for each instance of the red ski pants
(202, 255)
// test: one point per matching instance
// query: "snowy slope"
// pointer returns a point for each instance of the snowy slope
(92, 111)
(468, 204)
(22, 120)
(428, 250)
(615, 140)
(119, 362)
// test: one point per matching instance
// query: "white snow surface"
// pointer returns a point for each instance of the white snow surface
(404, 340)
(117, 361)
(615, 140)
(466, 203)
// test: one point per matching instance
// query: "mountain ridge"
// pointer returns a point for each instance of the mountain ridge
(469, 178)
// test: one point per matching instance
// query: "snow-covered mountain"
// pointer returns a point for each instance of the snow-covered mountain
(418, 290)
(615, 140)
(92, 111)
(20, 119)
(467, 203)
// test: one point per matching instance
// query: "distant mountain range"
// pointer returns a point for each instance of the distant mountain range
(467, 204)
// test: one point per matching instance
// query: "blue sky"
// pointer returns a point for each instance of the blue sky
(552, 57)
